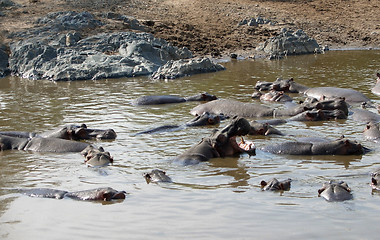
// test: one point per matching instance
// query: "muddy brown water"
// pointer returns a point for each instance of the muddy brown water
(219, 199)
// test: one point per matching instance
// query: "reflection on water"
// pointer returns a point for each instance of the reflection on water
(217, 199)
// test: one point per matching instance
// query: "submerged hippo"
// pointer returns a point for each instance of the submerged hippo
(319, 115)
(335, 191)
(372, 132)
(38, 144)
(265, 129)
(98, 194)
(376, 88)
(96, 156)
(165, 99)
(375, 180)
(232, 108)
(273, 96)
(201, 120)
(351, 96)
(341, 146)
(365, 116)
(221, 143)
(69, 132)
(156, 176)
(275, 185)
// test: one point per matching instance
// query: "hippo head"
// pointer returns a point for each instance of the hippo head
(263, 86)
(156, 176)
(335, 191)
(375, 180)
(205, 118)
(98, 194)
(282, 85)
(344, 146)
(82, 132)
(96, 157)
(275, 185)
(108, 194)
(224, 140)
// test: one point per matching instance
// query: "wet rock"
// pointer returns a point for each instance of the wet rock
(124, 54)
(186, 67)
(65, 56)
(289, 43)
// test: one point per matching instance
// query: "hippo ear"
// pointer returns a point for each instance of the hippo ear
(378, 75)
(263, 183)
(83, 125)
(320, 191)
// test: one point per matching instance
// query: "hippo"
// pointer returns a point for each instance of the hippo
(364, 115)
(375, 180)
(372, 132)
(288, 85)
(38, 144)
(165, 99)
(342, 146)
(96, 156)
(221, 143)
(69, 132)
(98, 194)
(263, 86)
(156, 176)
(265, 129)
(350, 95)
(319, 115)
(275, 185)
(201, 120)
(232, 108)
(335, 191)
(273, 96)
(376, 88)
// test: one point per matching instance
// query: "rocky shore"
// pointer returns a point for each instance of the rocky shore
(81, 45)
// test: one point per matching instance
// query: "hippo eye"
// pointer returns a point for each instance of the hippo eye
(374, 181)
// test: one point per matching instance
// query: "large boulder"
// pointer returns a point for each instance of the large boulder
(186, 67)
(124, 54)
(56, 51)
(288, 42)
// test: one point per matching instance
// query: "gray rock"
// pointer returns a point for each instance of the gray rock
(7, 3)
(289, 43)
(186, 67)
(124, 54)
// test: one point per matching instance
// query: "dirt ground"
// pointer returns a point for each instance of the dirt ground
(211, 27)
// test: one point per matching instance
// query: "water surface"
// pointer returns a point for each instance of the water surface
(219, 199)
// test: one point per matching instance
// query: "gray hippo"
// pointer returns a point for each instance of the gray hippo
(263, 86)
(364, 115)
(156, 176)
(37, 144)
(98, 194)
(350, 95)
(372, 132)
(375, 180)
(319, 115)
(341, 146)
(201, 120)
(335, 191)
(265, 129)
(376, 88)
(69, 132)
(165, 99)
(272, 96)
(232, 108)
(275, 185)
(221, 143)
